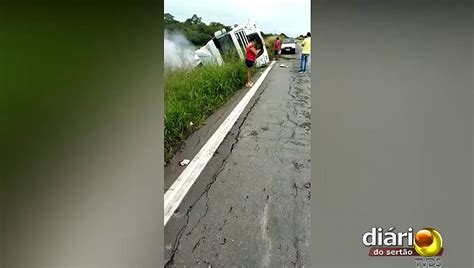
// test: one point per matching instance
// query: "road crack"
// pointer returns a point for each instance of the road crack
(295, 222)
(224, 161)
(170, 262)
(197, 244)
(288, 106)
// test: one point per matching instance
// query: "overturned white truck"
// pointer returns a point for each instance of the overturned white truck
(233, 42)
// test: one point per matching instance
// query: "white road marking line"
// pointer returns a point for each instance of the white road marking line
(176, 193)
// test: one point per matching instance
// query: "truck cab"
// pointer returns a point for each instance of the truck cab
(233, 43)
(241, 34)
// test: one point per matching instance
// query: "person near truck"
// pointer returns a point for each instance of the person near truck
(251, 53)
(277, 47)
(305, 53)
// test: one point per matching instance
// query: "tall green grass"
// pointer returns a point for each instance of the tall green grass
(269, 44)
(192, 95)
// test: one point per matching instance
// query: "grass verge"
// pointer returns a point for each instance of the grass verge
(192, 95)
(269, 44)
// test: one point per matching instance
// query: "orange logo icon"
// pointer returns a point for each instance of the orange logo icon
(428, 242)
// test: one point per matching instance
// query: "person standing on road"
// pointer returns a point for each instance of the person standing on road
(305, 53)
(277, 47)
(251, 53)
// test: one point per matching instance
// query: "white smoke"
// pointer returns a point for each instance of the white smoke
(179, 52)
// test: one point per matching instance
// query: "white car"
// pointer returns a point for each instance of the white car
(288, 46)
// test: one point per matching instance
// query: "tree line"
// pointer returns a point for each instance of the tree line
(195, 30)
(198, 32)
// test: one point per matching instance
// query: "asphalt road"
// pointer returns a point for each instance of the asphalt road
(251, 204)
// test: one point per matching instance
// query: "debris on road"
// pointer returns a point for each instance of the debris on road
(185, 162)
(283, 66)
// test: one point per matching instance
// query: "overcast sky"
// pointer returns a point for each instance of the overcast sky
(292, 17)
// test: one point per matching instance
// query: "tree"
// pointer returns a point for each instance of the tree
(214, 27)
(169, 19)
(217, 25)
(195, 30)
(194, 20)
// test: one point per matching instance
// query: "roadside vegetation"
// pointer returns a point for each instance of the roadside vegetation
(270, 41)
(192, 95)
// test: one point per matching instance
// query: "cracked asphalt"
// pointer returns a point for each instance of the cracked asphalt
(251, 205)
